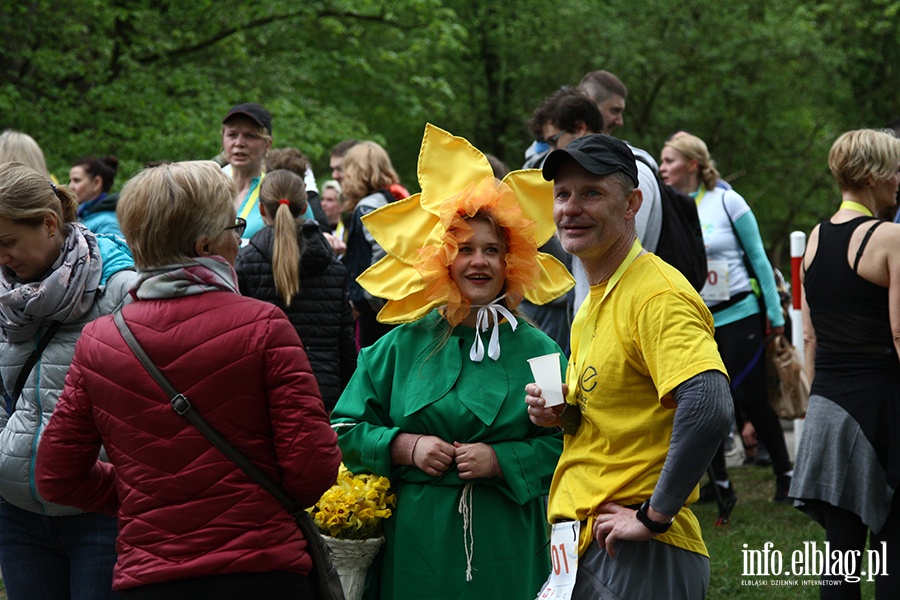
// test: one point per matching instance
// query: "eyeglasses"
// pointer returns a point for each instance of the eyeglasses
(553, 139)
(239, 226)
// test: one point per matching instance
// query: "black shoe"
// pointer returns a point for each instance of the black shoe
(763, 458)
(708, 493)
(782, 489)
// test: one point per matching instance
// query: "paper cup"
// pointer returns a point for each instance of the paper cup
(548, 377)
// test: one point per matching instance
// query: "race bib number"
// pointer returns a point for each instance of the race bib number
(563, 561)
(716, 287)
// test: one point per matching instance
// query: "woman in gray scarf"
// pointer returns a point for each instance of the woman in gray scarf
(55, 277)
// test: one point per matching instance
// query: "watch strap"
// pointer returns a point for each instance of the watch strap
(654, 526)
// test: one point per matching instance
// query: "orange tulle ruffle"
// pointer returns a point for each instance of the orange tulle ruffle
(490, 197)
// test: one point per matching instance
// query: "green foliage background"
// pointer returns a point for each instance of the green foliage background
(769, 85)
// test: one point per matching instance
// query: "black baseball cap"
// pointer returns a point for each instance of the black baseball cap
(254, 112)
(597, 153)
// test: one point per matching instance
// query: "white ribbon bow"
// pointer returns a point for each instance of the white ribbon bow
(482, 322)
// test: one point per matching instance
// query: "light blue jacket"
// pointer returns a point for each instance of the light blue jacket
(20, 433)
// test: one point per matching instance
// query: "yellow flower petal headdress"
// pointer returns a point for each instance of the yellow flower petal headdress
(421, 233)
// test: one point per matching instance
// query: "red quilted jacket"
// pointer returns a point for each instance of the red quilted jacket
(184, 509)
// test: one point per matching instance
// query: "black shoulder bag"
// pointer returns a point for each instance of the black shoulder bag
(680, 238)
(324, 578)
(10, 401)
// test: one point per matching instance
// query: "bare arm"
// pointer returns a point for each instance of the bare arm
(892, 266)
(809, 334)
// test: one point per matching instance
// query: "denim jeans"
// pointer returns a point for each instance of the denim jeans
(57, 558)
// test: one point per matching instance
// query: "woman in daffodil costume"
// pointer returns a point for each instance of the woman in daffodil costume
(438, 409)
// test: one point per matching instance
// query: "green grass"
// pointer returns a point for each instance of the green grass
(755, 521)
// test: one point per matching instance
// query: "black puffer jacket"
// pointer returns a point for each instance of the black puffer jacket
(320, 312)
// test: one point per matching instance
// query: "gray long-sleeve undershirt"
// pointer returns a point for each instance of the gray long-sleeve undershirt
(703, 415)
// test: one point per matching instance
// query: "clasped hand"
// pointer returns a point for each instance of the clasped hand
(434, 456)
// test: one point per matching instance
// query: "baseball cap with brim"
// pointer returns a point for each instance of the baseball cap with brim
(254, 112)
(597, 153)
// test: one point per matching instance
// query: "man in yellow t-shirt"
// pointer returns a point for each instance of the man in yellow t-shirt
(647, 397)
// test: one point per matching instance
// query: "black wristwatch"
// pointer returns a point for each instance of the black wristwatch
(649, 523)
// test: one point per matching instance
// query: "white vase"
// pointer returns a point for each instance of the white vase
(352, 559)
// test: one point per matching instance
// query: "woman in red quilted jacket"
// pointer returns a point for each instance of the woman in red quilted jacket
(191, 523)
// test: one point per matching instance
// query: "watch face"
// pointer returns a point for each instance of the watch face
(570, 419)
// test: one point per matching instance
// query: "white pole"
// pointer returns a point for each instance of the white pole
(798, 247)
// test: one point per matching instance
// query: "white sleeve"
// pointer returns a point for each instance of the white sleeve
(649, 218)
(310, 180)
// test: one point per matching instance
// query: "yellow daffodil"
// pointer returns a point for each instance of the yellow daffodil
(354, 507)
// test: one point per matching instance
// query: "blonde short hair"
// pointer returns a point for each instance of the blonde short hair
(27, 197)
(858, 155)
(164, 211)
(333, 184)
(16, 146)
(367, 169)
(693, 148)
(255, 127)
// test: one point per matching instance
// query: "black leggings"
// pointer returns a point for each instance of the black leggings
(845, 531)
(740, 343)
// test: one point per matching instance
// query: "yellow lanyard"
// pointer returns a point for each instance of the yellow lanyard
(851, 205)
(583, 318)
(252, 199)
(702, 192)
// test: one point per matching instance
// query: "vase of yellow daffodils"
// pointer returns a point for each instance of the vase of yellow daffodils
(350, 516)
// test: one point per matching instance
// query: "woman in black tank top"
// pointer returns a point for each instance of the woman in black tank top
(848, 462)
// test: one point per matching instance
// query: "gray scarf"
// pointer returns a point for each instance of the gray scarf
(204, 274)
(65, 293)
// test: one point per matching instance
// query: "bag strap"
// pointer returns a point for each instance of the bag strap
(183, 407)
(29, 364)
(646, 162)
(863, 245)
(324, 577)
(746, 259)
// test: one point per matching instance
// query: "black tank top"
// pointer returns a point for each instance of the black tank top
(850, 315)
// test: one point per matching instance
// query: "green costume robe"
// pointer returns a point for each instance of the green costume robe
(404, 384)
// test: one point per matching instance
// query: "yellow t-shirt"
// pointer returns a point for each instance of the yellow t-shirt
(629, 351)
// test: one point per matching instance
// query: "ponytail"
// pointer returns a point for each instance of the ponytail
(286, 254)
(68, 203)
(710, 175)
(283, 196)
